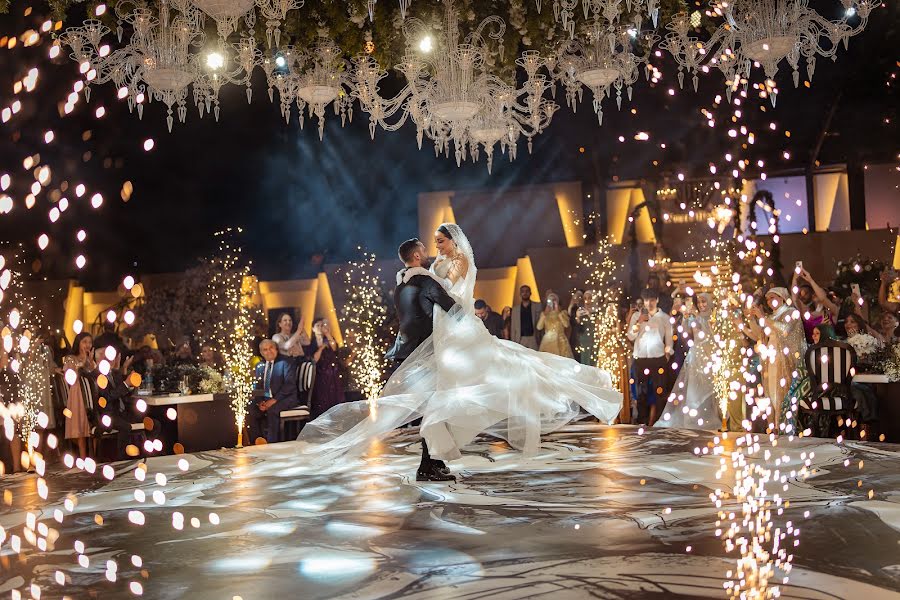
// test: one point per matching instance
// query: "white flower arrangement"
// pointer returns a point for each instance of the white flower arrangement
(211, 381)
(891, 364)
(864, 344)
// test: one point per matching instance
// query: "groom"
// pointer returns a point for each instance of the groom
(415, 297)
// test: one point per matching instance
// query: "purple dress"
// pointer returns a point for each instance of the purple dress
(328, 389)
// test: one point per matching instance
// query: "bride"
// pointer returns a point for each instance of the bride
(463, 381)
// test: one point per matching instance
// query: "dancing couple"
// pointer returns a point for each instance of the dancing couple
(451, 373)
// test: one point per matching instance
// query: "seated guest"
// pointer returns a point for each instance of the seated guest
(491, 320)
(855, 324)
(822, 333)
(184, 354)
(328, 389)
(290, 343)
(209, 357)
(887, 327)
(276, 390)
(114, 409)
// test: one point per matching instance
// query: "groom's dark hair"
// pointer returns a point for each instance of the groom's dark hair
(407, 249)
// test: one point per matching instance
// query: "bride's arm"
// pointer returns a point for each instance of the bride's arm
(459, 266)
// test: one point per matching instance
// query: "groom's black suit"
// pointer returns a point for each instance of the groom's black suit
(415, 298)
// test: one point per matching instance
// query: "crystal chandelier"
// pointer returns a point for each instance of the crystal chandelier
(311, 80)
(610, 55)
(166, 54)
(157, 60)
(764, 33)
(451, 95)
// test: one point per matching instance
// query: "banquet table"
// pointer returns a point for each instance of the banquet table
(202, 421)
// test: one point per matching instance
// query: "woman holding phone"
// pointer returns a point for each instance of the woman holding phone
(554, 323)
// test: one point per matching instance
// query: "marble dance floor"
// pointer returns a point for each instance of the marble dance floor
(602, 513)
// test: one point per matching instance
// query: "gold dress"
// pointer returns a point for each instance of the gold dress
(555, 340)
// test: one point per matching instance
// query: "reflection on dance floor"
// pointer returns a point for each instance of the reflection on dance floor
(602, 512)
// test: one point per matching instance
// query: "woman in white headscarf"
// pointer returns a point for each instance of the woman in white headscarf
(692, 403)
(781, 344)
(463, 381)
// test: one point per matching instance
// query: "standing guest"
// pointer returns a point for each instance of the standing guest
(10, 446)
(328, 389)
(575, 303)
(554, 322)
(80, 402)
(651, 332)
(681, 305)
(491, 320)
(888, 278)
(290, 343)
(276, 390)
(506, 315)
(583, 328)
(812, 301)
(523, 318)
(692, 403)
(782, 348)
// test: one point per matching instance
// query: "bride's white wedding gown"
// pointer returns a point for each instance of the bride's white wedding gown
(463, 381)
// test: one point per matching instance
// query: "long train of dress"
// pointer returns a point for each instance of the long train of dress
(462, 381)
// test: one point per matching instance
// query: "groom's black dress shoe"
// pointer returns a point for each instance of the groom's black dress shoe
(434, 473)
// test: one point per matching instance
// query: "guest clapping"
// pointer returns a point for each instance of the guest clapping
(290, 343)
(328, 389)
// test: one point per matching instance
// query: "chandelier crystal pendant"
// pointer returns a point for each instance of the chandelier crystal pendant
(764, 33)
(275, 12)
(608, 56)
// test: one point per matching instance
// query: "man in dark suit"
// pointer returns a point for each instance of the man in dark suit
(491, 320)
(114, 408)
(416, 295)
(276, 390)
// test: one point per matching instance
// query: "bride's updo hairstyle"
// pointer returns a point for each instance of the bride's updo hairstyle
(446, 232)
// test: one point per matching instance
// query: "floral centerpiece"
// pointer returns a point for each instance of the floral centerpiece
(867, 348)
(890, 364)
(210, 382)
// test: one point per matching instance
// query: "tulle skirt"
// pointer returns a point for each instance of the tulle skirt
(461, 382)
(692, 403)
